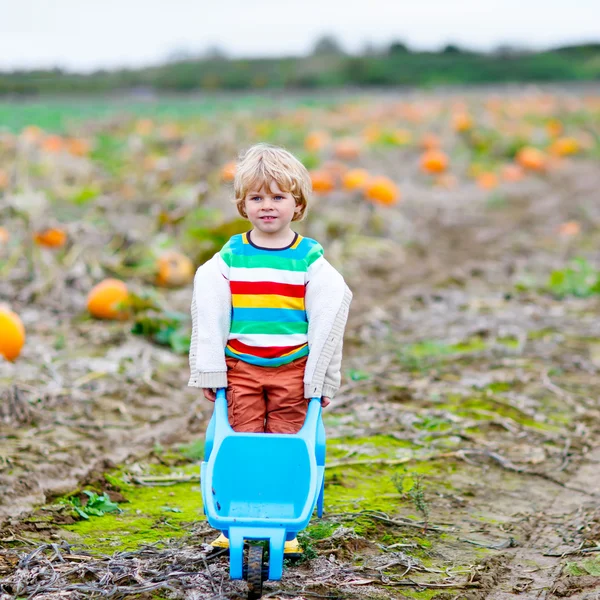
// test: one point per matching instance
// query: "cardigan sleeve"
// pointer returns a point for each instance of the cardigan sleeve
(333, 374)
(211, 319)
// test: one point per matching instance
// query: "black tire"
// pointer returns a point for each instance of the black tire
(255, 572)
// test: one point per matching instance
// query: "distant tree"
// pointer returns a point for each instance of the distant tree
(452, 49)
(398, 47)
(327, 45)
(214, 53)
(508, 51)
(589, 48)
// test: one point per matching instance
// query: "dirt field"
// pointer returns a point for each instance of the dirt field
(463, 449)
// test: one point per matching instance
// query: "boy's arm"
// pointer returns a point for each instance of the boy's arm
(333, 375)
(327, 301)
(211, 314)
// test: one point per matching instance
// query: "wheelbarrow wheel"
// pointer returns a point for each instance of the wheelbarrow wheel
(255, 572)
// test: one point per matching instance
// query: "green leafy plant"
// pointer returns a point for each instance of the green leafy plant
(193, 451)
(579, 279)
(358, 375)
(308, 537)
(210, 238)
(166, 328)
(411, 486)
(96, 505)
(307, 544)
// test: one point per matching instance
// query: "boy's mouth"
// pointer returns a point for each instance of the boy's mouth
(268, 218)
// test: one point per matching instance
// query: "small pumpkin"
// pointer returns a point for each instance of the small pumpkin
(355, 179)
(322, 181)
(12, 333)
(487, 180)
(347, 149)
(53, 237)
(174, 269)
(512, 173)
(382, 190)
(434, 161)
(531, 158)
(228, 171)
(106, 298)
(316, 141)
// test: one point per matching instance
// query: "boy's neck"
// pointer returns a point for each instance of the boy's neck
(280, 240)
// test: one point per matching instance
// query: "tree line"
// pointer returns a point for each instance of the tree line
(326, 67)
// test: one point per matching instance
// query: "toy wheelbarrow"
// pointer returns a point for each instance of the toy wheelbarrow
(261, 486)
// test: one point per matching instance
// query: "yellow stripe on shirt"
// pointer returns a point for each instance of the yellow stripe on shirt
(266, 301)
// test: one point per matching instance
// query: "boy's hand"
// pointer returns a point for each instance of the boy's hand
(325, 401)
(209, 394)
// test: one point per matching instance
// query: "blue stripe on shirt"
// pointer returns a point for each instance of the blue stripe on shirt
(268, 362)
(269, 315)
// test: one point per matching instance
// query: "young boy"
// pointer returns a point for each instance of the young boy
(268, 311)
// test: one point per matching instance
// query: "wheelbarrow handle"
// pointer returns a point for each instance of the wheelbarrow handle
(221, 394)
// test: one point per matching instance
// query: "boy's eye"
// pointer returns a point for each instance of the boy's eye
(278, 197)
(255, 198)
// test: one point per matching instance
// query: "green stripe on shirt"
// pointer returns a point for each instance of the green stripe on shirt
(280, 328)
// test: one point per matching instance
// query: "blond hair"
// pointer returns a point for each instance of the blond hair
(263, 164)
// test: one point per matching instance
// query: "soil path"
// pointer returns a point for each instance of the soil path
(558, 529)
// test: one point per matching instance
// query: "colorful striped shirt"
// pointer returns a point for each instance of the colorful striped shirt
(269, 326)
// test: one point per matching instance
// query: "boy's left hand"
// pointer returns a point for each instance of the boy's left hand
(325, 401)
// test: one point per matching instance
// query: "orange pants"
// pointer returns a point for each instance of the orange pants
(266, 399)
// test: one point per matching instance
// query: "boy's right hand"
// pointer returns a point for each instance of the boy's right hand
(209, 394)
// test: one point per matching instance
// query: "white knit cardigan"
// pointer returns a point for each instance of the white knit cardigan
(327, 302)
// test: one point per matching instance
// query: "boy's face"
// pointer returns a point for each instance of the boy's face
(270, 210)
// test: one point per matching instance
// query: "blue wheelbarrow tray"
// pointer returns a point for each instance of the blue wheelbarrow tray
(262, 486)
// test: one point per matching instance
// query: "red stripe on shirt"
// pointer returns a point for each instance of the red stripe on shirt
(270, 352)
(267, 287)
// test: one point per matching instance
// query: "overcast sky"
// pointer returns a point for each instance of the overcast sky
(84, 35)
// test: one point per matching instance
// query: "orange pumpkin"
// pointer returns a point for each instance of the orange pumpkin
(51, 237)
(347, 149)
(53, 144)
(512, 172)
(4, 236)
(381, 190)
(569, 228)
(371, 134)
(228, 171)
(531, 158)
(462, 121)
(12, 333)
(316, 141)
(434, 161)
(174, 269)
(487, 180)
(564, 146)
(3, 179)
(105, 298)
(322, 181)
(355, 179)
(78, 147)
